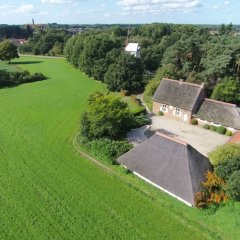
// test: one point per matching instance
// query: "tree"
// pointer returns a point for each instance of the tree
(227, 90)
(126, 73)
(8, 51)
(224, 153)
(107, 116)
(167, 71)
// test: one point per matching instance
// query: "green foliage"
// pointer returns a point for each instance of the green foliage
(213, 128)
(126, 73)
(106, 116)
(15, 78)
(160, 113)
(233, 186)
(194, 122)
(229, 133)
(206, 126)
(167, 71)
(227, 90)
(49, 42)
(226, 168)
(8, 51)
(140, 121)
(106, 149)
(224, 153)
(221, 130)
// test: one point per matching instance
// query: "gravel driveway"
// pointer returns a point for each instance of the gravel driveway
(202, 140)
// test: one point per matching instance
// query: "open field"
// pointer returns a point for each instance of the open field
(48, 192)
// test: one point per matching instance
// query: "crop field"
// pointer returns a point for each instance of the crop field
(47, 191)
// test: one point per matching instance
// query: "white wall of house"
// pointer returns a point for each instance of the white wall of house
(202, 122)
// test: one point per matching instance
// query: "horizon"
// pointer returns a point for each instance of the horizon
(196, 12)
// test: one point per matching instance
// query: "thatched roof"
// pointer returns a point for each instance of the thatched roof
(169, 163)
(218, 112)
(178, 93)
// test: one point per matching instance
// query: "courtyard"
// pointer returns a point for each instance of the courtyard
(201, 139)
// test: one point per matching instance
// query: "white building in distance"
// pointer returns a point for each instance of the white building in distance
(134, 49)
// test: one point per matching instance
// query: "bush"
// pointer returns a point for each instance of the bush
(194, 122)
(227, 168)
(224, 153)
(161, 113)
(139, 111)
(233, 186)
(228, 133)
(140, 121)
(18, 77)
(213, 128)
(106, 149)
(212, 191)
(221, 130)
(206, 126)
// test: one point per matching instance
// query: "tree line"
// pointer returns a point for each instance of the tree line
(15, 31)
(184, 52)
(48, 42)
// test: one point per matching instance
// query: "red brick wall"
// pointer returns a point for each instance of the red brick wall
(171, 111)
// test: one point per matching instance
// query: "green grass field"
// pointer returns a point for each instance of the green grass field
(48, 192)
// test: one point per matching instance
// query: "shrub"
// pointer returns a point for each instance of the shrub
(212, 191)
(194, 122)
(161, 113)
(106, 149)
(227, 168)
(221, 130)
(233, 186)
(224, 153)
(139, 111)
(228, 133)
(139, 121)
(213, 128)
(206, 126)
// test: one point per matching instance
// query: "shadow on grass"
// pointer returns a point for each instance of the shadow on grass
(25, 62)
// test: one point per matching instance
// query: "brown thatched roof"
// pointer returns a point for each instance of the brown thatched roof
(178, 93)
(218, 112)
(169, 163)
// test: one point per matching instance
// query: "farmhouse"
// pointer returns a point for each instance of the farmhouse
(134, 49)
(178, 99)
(183, 101)
(219, 113)
(169, 164)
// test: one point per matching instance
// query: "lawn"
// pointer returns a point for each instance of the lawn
(48, 192)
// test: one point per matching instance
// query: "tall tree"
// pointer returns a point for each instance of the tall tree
(8, 51)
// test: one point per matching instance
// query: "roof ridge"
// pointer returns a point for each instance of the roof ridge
(184, 83)
(172, 138)
(221, 102)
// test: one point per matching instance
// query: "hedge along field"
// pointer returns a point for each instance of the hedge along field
(48, 192)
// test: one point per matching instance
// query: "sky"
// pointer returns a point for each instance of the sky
(120, 11)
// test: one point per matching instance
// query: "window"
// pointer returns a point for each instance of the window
(178, 112)
(164, 107)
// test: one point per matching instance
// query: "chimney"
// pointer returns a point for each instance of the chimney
(181, 81)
